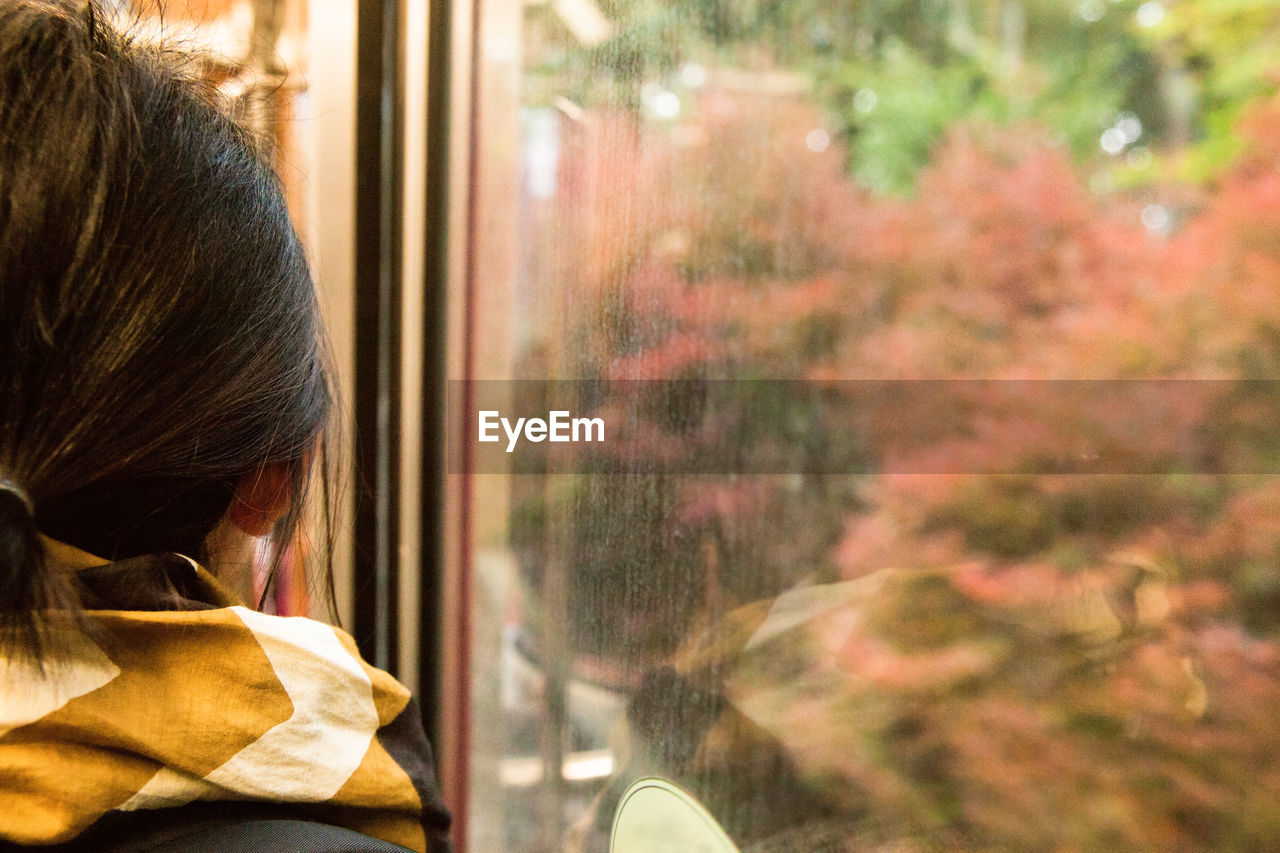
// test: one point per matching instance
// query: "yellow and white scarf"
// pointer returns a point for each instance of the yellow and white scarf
(160, 708)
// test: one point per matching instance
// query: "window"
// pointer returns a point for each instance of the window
(935, 343)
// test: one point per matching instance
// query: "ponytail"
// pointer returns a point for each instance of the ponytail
(27, 589)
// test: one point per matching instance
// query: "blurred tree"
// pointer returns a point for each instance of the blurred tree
(1118, 81)
(930, 205)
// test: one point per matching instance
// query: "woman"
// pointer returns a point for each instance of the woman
(162, 387)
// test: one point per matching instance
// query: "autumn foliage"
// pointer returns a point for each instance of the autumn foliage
(1022, 658)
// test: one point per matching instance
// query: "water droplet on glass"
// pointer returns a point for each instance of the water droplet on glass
(1130, 125)
(1113, 140)
(817, 140)
(865, 100)
(1091, 11)
(666, 105)
(1150, 13)
(693, 75)
(1155, 218)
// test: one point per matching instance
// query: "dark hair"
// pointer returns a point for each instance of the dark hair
(159, 330)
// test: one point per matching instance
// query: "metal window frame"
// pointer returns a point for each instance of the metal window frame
(412, 218)
(378, 295)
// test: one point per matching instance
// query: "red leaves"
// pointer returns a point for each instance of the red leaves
(1070, 662)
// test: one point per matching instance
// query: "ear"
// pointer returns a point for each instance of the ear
(260, 499)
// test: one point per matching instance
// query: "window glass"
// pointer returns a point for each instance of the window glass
(935, 345)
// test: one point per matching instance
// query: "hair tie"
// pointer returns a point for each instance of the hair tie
(20, 493)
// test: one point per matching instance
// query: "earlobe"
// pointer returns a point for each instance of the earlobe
(261, 498)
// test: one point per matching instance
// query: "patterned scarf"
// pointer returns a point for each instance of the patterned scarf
(178, 694)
